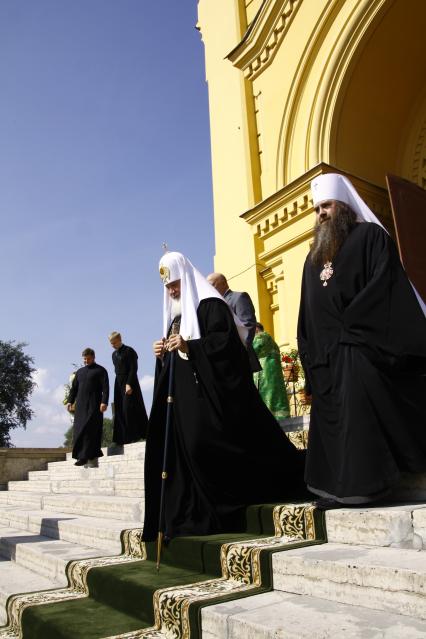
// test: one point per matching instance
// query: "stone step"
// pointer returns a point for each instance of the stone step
(35, 475)
(95, 532)
(108, 506)
(118, 507)
(129, 456)
(20, 499)
(43, 555)
(128, 451)
(122, 485)
(132, 455)
(41, 486)
(280, 615)
(399, 525)
(129, 468)
(388, 579)
(115, 450)
(15, 579)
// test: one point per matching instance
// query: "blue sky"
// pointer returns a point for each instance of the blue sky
(104, 154)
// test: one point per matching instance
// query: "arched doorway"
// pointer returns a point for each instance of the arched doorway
(379, 123)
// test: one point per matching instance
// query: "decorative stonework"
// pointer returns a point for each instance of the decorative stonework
(263, 37)
(295, 200)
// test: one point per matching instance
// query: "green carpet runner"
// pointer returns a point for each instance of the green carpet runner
(125, 597)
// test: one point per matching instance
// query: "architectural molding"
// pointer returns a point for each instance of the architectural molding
(419, 160)
(295, 200)
(324, 93)
(263, 37)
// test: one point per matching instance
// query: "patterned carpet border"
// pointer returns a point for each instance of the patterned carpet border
(246, 570)
(133, 549)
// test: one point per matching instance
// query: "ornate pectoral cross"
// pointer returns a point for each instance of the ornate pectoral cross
(326, 273)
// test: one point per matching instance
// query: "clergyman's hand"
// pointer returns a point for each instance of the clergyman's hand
(103, 408)
(129, 389)
(306, 398)
(69, 408)
(159, 347)
(176, 342)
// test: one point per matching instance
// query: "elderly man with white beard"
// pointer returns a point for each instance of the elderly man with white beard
(226, 450)
(362, 342)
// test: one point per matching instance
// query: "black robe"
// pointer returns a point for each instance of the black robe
(226, 449)
(89, 389)
(362, 342)
(130, 418)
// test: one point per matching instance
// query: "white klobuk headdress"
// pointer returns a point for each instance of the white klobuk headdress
(193, 288)
(333, 186)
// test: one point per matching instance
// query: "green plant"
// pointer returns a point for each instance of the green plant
(16, 386)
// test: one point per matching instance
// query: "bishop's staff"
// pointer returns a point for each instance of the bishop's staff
(169, 415)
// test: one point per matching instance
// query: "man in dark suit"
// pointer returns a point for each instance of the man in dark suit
(242, 306)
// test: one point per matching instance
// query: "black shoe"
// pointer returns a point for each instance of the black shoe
(328, 504)
(80, 462)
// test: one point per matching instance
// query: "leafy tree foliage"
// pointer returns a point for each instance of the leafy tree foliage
(106, 434)
(16, 386)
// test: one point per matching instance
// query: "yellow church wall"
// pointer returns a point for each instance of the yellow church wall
(310, 86)
(252, 7)
(272, 94)
(233, 189)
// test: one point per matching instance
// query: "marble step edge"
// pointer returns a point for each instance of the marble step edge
(112, 451)
(109, 487)
(100, 506)
(99, 533)
(397, 525)
(111, 470)
(15, 578)
(275, 614)
(43, 555)
(102, 461)
(388, 579)
(131, 549)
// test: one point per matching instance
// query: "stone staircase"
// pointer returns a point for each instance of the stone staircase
(368, 581)
(66, 513)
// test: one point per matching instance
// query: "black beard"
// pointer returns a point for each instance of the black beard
(329, 236)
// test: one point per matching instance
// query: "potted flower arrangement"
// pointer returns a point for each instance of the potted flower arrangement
(290, 364)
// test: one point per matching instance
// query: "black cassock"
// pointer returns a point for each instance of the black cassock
(362, 341)
(226, 449)
(89, 389)
(130, 418)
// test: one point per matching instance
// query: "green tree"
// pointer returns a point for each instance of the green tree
(106, 434)
(16, 387)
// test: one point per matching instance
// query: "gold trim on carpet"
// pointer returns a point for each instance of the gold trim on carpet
(241, 572)
(133, 549)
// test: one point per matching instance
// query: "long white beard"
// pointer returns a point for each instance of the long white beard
(175, 307)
